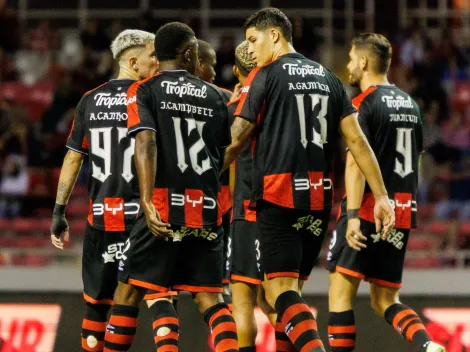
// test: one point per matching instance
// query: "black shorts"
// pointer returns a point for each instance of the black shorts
(291, 239)
(227, 246)
(246, 252)
(191, 261)
(102, 252)
(380, 263)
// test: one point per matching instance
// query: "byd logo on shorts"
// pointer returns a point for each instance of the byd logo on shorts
(116, 251)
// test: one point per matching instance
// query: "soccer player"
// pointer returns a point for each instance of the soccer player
(299, 108)
(100, 130)
(180, 125)
(245, 271)
(391, 121)
(206, 72)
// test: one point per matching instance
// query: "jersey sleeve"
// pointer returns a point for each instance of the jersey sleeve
(365, 119)
(226, 137)
(419, 134)
(77, 139)
(139, 109)
(253, 95)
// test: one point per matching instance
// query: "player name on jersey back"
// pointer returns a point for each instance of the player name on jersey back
(100, 130)
(297, 105)
(391, 121)
(190, 120)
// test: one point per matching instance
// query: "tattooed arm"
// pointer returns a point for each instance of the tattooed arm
(68, 176)
(241, 131)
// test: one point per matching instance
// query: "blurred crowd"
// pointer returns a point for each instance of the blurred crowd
(44, 71)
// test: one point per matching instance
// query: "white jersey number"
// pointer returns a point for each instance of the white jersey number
(194, 150)
(103, 151)
(319, 138)
(404, 147)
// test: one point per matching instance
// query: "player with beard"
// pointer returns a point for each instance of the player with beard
(206, 71)
(180, 126)
(299, 108)
(392, 123)
(100, 130)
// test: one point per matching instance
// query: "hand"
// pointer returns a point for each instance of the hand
(59, 231)
(155, 224)
(384, 216)
(354, 235)
(236, 92)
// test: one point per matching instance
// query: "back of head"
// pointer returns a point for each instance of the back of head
(377, 48)
(170, 38)
(271, 17)
(204, 49)
(129, 39)
(243, 59)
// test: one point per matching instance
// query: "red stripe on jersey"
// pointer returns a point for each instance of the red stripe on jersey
(113, 216)
(366, 211)
(132, 107)
(224, 199)
(71, 130)
(160, 200)
(90, 213)
(403, 210)
(317, 196)
(92, 90)
(234, 102)
(277, 189)
(243, 96)
(357, 101)
(85, 144)
(250, 214)
(193, 207)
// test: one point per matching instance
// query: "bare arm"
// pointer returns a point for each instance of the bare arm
(355, 183)
(363, 155)
(145, 158)
(241, 131)
(68, 176)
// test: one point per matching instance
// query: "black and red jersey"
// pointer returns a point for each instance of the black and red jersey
(297, 105)
(225, 198)
(190, 119)
(392, 123)
(100, 130)
(243, 178)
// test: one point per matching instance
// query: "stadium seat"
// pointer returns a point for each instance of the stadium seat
(22, 225)
(425, 211)
(30, 260)
(420, 243)
(439, 227)
(4, 224)
(77, 227)
(32, 242)
(422, 263)
(7, 242)
(78, 209)
(464, 229)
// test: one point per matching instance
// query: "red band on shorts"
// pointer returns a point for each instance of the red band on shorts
(282, 274)
(349, 272)
(151, 296)
(245, 279)
(384, 283)
(147, 285)
(190, 288)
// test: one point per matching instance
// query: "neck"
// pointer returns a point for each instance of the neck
(126, 72)
(170, 65)
(372, 80)
(283, 48)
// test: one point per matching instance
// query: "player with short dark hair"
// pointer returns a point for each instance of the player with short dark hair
(206, 72)
(100, 130)
(245, 273)
(180, 126)
(299, 108)
(392, 123)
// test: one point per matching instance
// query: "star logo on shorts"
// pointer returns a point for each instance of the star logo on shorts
(376, 237)
(108, 258)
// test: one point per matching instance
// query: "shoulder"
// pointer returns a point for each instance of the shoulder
(227, 94)
(362, 98)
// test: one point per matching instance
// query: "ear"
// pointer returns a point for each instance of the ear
(187, 55)
(236, 71)
(133, 63)
(275, 35)
(363, 63)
